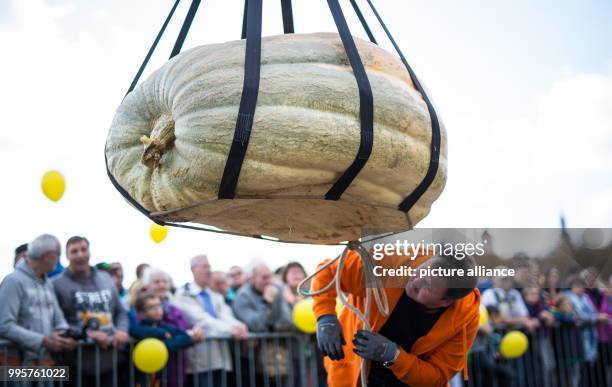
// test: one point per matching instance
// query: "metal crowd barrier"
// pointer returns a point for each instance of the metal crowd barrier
(555, 357)
(295, 363)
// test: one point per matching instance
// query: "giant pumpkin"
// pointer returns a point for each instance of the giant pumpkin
(169, 140)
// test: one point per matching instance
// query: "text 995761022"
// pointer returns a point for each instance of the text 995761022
(33, 374)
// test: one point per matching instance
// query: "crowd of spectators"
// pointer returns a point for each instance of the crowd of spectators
(568, 323)
(49, 309)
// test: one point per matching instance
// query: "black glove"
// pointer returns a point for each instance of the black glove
(329, 336)
(372, 346)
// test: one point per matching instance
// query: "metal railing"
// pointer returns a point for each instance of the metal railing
(556, 356)
(268, 360)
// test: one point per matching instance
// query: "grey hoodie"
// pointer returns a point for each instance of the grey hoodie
(29, 310)
(81, 298)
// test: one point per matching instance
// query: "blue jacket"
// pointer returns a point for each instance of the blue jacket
(149, 329)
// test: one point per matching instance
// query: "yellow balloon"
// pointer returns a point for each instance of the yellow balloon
(304, 317)
(53, 185)
(513, 345)
(158, 233)
(150, 355)
(484, 315)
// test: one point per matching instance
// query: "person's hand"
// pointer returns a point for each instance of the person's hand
(120, 338)
(486, 329)
(196, 334)
(270, 293)
(329, 337)
(99, 337)
(547, 318)
(240, 332)
(288, 296)
(55, 342)
(531, 324)
(374, 346)
(602, 318)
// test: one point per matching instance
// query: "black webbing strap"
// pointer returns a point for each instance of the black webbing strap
(126, 195)
(408, 202)
(185, 28)
(287, 16)
(244, 20)
(152, 48)
(363, 21)
(366, 105)
(248, 102)
(115, 183)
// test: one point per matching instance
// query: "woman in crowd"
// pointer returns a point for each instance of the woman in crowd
(601, 298)
(159, 283)
(552, 287)
(588, 317)
(292, 274)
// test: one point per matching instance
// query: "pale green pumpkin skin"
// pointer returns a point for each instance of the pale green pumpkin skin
(305, 134)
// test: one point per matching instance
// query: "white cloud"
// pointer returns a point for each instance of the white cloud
(524, 171)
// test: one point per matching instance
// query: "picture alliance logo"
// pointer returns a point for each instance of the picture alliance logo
(458, 250)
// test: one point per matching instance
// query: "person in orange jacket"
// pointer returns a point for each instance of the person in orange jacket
(422, 342)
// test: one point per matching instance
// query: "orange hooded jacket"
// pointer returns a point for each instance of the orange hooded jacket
(432, 360)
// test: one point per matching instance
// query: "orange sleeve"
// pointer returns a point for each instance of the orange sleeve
(441, 365)
(350, 282)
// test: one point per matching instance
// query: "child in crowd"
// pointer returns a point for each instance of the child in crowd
(587, 316)
(487, 364)
(569, 351)
(538, 308)
(149, 325)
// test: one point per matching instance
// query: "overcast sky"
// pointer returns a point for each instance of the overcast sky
(524, 89)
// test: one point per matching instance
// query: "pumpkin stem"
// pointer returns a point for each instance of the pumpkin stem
(160, 140)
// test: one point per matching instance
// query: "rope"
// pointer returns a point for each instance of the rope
(373, 286)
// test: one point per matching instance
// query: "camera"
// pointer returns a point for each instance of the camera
(92, 324)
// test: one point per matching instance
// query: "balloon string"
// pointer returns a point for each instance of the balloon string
(373, 285)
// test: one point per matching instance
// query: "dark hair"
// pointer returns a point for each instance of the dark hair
(521, 260)
(492, 310)
(76, 239)
(140, 269)
(561, 299)
(576, 280)
(141, 300)
(21, 249)
(279, 270)
(457, 287)
(289, 266)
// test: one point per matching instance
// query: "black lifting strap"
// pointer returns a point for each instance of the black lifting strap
(248, 102)
(408, 202)
(287, 11)
(177, 48)
(287, 16)
(152, 48)
(244, 20)
(185, 28)
(115, 183)
(366, 106)
(363, 21)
